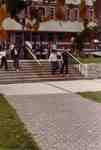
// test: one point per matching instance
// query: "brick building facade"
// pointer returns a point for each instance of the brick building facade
(98, 11)
(50, 28)
(47, 8)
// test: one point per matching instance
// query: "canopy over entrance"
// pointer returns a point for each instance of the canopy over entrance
(11, 24)
(61, 26)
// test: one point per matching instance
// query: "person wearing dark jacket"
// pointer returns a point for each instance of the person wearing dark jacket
(15, 57)
(3, 56)
(64, 68)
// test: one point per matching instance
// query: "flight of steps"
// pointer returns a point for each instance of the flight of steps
(30, 71)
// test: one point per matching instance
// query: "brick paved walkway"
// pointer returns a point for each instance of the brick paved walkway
(60, 121)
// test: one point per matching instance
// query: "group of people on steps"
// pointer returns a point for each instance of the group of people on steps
(59, 61)
(14, 52)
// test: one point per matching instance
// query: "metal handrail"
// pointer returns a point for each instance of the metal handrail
(74, 58)
(34, 57)
(82, 67)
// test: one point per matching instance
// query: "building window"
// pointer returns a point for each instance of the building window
(27, 36)
(68, 13)
(18, 38)
(76, 14)
(43, 37)
(42, 11)
(51, 12)
(49, 1)
(91, 14)
(71, 14)
(35, 37)
(50, 36)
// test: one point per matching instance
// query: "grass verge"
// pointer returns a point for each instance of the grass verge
(90, 60)
(13, 135)
(95, 96)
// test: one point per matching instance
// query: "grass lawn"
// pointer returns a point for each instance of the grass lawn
(90, 60)
(95, 96)
(13, 135)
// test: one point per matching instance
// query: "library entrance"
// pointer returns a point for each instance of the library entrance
(41, 42)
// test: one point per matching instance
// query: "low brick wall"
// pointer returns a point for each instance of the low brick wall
(93, 70)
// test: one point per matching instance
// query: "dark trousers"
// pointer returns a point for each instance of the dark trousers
(64, 68)
(54, 67)
(4, 63)
(16, 63)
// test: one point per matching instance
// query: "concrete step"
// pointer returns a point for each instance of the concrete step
(8, 81)
(22, 74)
(33, 71)
(34, 68)
(30, 71)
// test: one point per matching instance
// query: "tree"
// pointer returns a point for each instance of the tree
(14, 6)
(60, 9)
(82, 37)
(3, 14)
(82, 9)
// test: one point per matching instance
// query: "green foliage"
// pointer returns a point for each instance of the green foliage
(94, 5)
(13, 134)
(14, 6)
(95, 96)
(82, 37)
(90, 59)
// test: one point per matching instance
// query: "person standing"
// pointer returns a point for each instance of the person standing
(15, 57)
(3, 56)
(64, 68)
(53, 61)
(60, 60)
(38, 52)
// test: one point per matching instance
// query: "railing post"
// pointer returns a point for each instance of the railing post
(83, 69)
(80, 68)
(86, 70)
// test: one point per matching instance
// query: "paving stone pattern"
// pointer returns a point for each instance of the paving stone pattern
(60, 121)
(93, 70)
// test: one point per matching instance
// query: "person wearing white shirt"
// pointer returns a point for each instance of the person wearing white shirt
(15, 57)
(53, 61)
